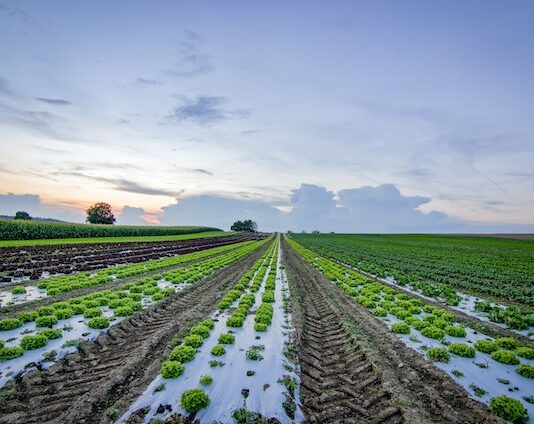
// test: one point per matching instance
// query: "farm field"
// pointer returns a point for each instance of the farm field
(267, 328)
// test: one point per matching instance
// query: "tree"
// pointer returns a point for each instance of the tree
(246, 225)
(100, 213)
(23, 215)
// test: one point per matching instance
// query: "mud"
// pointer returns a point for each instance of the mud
(104, 376)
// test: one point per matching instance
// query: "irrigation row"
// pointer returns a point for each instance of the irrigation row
(498, 372)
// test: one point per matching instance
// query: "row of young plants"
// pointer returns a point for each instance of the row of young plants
(220, 369)
(66, 283)
(514, 317)
(502, 268)
(446, 339)
(187, 347)
(93, 307)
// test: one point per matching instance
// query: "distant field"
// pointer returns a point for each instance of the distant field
(501, 267)
(94, 240)
(33, 230)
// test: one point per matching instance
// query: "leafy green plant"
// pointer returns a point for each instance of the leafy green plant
(507, 343)
(400, 328)
(486, 346)
(218, 350)
(18, 290)
(254, 352)
(92, 312)
(171, 369)
(525, 352)
(226, 338)
(33, 342)
(183, 353)
(98, 323)
(526, 370)
(440, 354)
(193, 340)
(433, 332)
(200, 330)
(9, 324)
(455, 331)
(194, 400)
(509, 409)
(206, 380)
(10, 352)
(462, 349)
(51, 333)
(214, 364)
(123, 311)
(46, 321)
(505, 357)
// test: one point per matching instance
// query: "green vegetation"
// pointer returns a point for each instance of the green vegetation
(440, 354)
(486, 346)
(525, 352)
(254, 352)
(433, 332)
(505, 357)
(206, 380)
(226, 338)
(462, 349)
(100, 213)
(32, 230)
(455, 331)
(183, 354)
(507, 343)
(193, 341)
(509, 409)
(400, 328)
(526, 370)
(171, 369)
(218, 350)
(18, 290)
(98, 323)
(10, 352)
(46, 321)
(51, 333)
(194, 400)
(10, 324)
(33, 342)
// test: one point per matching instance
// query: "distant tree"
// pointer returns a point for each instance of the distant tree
(25, 216)
(316, 232)
(246, 225)
(100, 213)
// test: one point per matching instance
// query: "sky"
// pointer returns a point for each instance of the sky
(355, 116)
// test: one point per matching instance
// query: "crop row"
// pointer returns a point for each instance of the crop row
(122, 302)
(31, 230)
(415, 321)
(498, 267)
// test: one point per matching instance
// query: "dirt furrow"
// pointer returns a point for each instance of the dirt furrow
(115, 368)
(387, 372)
(339, 383)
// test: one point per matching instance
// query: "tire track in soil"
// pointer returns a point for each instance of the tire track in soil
(427, 394)
(339, 383)
(80, 387)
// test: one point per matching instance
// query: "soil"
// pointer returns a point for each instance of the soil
(355, 370)
(106, 375)
(31, 261)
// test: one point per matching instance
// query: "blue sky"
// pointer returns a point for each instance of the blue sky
(303, 113)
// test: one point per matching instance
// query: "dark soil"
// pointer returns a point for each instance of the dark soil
(354, 370)
(111, 372)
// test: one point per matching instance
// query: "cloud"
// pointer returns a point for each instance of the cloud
(147, 81)
(202, 171)
(380, 209)
(205, 110)
(59, 102)
(132, 216)
(10, 203)
(190, 61)
(14, 12)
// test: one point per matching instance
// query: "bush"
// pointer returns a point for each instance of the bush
(33, 342)
(509, 409)
(18, 290)
(400, 328)
(9, 324)
(455, 331)
(171, 369)
(226, 338)
(463, 350)
(193, 340)
(10, 352)
(46, 321)
(51, 333)
(486, 346)
(194, 400)
(183, 354)
(218, 350)
(507, 343)
(440, 354)
(525, 352)
(505, 357)
(98, 323)
(92, 312)
(206, 380)
(526, 370)
(433, 332)
(200, 330)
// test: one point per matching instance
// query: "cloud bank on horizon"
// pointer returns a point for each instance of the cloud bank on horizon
(381, 209)
(182, 110)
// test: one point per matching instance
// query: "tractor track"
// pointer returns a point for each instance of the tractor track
(339, 382)
(383, 372)
(115, 368)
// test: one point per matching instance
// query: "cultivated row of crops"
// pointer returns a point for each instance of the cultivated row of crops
(499, 267)
(499, 371)
(33, 230)
(47, 332)
(231, 366)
